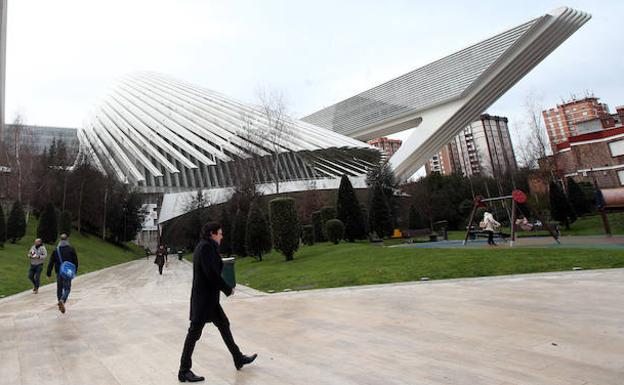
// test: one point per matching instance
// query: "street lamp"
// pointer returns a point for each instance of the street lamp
(124, 209)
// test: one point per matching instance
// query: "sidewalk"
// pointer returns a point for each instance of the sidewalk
(126, 325)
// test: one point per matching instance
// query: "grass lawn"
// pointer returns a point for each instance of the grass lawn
(93, 254)
(327, 265)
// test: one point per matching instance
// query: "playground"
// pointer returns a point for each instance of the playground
(565, 242)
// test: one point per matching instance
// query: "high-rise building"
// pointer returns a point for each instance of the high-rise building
(481, 148)
(593, 149)
(3, 31)
(442, 162)
(389, 146)
(39, 138)
(576, 117)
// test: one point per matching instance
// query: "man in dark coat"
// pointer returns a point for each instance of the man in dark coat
(205, 307)
(63, 285)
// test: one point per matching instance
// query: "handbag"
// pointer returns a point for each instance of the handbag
(68, 269)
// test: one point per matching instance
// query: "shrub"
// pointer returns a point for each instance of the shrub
(47, 229)
(335, 230)
(317, 222)
(327, 213)
(348, 211)
(258, 235)
(308, 235)
(65, 225)
(285, 228)
(16, 224)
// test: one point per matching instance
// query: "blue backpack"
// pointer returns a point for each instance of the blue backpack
(68, 269)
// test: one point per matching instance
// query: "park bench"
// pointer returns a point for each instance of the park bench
(410, 234)
(474, 234)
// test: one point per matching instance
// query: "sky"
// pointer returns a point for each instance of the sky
(63, 55)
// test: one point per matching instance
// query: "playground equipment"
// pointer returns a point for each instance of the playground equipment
(609, 200)
(516, 197)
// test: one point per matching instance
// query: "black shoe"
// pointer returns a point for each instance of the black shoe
(244, 360)
(189, 377)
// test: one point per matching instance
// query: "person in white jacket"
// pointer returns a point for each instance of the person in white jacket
(491, 225)
(37, 256)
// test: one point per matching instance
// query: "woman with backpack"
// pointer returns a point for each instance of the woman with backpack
(65, 263)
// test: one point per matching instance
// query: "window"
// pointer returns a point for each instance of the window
(621, 177)
(617, 148)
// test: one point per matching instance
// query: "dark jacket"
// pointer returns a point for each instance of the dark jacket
(161, 257)
(207, 282)
(67, 253)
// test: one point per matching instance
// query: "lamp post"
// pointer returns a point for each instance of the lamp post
(124, 229)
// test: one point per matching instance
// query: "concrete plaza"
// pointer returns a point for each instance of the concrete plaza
(126, 325)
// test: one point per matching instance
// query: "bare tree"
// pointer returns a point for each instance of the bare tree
(273, 107)
(14, 158)
(535, 144)
(19, 156)
(197, 201)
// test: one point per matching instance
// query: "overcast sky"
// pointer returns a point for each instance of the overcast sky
(62, 55)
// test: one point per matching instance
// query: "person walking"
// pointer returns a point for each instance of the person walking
(205, 307)
(491, 225)
(64, 252)
(161, 258)
(37, 256)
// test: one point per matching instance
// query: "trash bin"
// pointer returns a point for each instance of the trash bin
(228, 271)
(180, 254)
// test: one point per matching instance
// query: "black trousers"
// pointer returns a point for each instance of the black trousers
(194, 333)
(160, 267)
(491, 238)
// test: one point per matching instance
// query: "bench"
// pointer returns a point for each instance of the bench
(484, 234)
(411, 233)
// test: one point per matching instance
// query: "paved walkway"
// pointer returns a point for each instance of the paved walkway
(126, 325)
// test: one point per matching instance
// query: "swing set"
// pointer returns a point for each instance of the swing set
(517, 197)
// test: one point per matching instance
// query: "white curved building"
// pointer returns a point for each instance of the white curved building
(163, 135)
(441, 98)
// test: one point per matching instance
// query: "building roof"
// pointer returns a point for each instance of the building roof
(444, 79)
(441, 98)
(150, 125)
(596, 136)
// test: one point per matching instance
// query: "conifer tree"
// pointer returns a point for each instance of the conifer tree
(379, 214)
(239, 227)
(560, 208)
(348, 211)
(16, 224)
(66, 222)
(578, 200)
(3, 229)
(258, 234)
